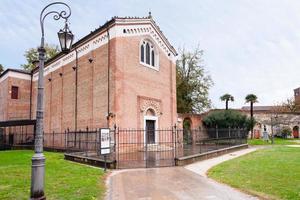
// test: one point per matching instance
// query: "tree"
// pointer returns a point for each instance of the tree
(286, 131)
(31, 55)
(192, 83)
(290, 105)
(251, 98)
(227, 98)
(1, 68)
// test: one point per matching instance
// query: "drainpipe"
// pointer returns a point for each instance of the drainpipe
(76, 86)
(30, 100)
(108, 78)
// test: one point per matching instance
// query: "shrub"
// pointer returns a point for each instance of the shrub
(286, 131)
(228, 118)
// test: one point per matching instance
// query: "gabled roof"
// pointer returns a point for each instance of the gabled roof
(21, 71)
(115, 20)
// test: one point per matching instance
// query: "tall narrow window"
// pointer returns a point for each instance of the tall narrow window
(14, 92)
(148, 54)
(152, 58)
(142, 53)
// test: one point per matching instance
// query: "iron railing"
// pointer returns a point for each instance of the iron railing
(131, 147)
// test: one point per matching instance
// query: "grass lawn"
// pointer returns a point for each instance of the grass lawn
(273, 173)
(64, 179)
(277, 141)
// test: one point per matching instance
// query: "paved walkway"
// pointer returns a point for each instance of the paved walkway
(174, 183)
(202, 167)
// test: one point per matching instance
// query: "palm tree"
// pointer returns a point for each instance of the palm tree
(227, 98)
(252, 98)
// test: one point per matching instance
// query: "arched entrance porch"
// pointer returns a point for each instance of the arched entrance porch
(296, 131)
(187, 131)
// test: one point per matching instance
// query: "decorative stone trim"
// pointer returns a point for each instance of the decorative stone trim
(119, 29)
(146, 104)
(15, 75)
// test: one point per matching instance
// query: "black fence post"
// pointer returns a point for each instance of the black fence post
(146, 149)
(53, 140)
(68, 135)
(22, 134)
(235, 136)
(217, 136)
(86, 139)
(80, 133)
(65, 144)
(115, 141)
(175, 140)
(96, 136)
(200, 133)
(75, 139)
(239, 135)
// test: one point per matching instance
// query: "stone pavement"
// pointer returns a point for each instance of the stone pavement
(172, 183)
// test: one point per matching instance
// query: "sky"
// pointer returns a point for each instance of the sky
(250, 46)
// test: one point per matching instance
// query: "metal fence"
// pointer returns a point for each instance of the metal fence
(17, 135)
(145, 148)
(133, 148)
(87, 143)
(199, 141)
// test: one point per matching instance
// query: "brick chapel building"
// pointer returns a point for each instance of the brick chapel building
(122, 73)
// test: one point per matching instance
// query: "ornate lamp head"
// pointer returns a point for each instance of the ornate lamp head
(65, 37)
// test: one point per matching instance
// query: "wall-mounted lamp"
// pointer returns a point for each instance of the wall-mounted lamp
(74, 68)
(110, 115)
(49, 79)
(90, 60)
(60, 74)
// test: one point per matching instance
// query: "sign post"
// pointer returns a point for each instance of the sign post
(104, 143)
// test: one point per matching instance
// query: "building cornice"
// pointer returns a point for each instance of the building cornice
(14, 73)
(117, 27)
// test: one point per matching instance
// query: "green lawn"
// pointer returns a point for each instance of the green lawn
(277, 141)
(64, 179)
(273, 173)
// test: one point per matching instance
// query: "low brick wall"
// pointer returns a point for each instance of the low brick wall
(31, 147)
(90, 161)
(203, 156)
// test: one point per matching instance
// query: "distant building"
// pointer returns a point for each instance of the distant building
(15, 95)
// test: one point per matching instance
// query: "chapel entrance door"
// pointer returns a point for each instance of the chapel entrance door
(150, 131)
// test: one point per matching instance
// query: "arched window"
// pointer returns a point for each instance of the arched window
(152, 58)
(142, 53)
(148, 54)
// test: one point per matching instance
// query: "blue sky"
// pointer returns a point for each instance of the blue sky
(251, 46)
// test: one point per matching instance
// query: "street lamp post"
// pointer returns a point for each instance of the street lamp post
(38, 159)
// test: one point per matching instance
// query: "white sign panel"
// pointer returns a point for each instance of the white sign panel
(105, 151)
(105, 141)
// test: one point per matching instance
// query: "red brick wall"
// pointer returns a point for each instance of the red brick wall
(129, 83)
(3, 99)
(12, 109)
(91, 94)
(133, 80)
